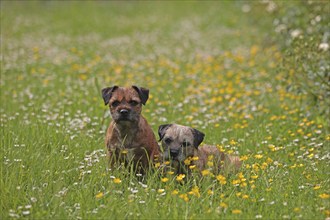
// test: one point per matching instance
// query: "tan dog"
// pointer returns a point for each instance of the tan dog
(180, 147)
(129, 138)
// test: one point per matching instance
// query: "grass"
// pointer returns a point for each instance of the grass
(215, 66)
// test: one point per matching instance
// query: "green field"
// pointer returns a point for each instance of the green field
(253, 76)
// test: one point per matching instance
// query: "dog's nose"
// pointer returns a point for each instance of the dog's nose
(174, 153)
(124, 112)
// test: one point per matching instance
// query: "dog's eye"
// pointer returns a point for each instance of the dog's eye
(133, 103)
(115, 103)
(185, 144)
(168, 140)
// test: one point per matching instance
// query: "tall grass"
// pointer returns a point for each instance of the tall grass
(215, 66)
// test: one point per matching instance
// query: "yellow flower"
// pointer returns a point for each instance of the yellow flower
(187, 161)
(180, 177)
(116, 180)
(164, 180)
(99, 195)
(234, 182)
(258, 156)
(236, 211)
(170, 172)
(210, 192)
(124, 152)
(297, 209)
(245, 197)
(194, 158)
(209, 163)
(195, 191)
(175, 192)
(192, 167)
(157, 165)
(206, 172)
(317, 187)
(243, 158)
(161, 190)
(223, 205)
(254, 177)
(232, 142)
(184, 197)
(324, 196)
(269, 160)
(221, 179)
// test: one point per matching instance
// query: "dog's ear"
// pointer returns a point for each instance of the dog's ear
(198, 137)
(162, 129)
(107, 93)
(143, 93)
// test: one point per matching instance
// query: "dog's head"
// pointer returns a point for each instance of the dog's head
(125, 103)
(179, 142)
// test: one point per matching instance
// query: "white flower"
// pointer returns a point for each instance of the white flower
(295, 33)
(324, 46)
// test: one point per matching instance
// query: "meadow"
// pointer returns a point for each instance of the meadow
(251, 75)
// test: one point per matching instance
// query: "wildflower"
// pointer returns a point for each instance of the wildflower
(210, 192)
(221, 179)
(175, 192)
(269, 160)
(170, 172)
(243, 158)
(297, 209)
(236, 211)
(324, 46)
(117, 180)
(124, 152)
(324, 196)
(180, 177)
(157, 165)
(192, 167)
(258, 156)
(245, 196)
(195, 191)
(184, 197)
(187, 161)
(209, 163)
(232, 142)
(161, 190)
(164, 180)
(254, 177)
(235, 182)
(195, 158)
(223, 205)
(317, 187)
(206, 172)
(99, 195)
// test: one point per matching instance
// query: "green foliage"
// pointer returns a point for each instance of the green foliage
(303, 31)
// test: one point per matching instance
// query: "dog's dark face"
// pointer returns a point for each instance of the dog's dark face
(125, 103)
(179, 142)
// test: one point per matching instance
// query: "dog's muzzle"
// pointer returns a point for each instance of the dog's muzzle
(124, 115)
(174, 154)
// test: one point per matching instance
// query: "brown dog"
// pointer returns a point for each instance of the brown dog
(129, 138)
(180, 147)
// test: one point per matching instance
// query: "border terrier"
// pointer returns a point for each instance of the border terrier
(180, 147)
(129, 137)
